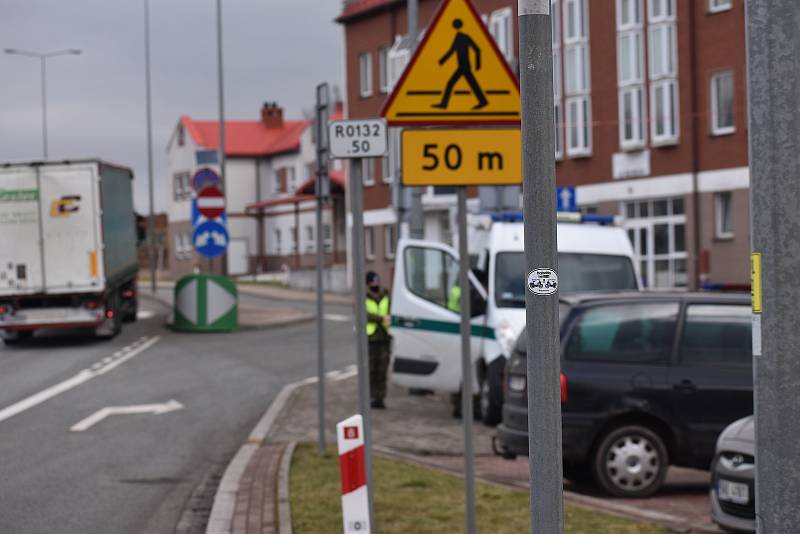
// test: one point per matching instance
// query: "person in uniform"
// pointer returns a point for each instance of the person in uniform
(380, 340)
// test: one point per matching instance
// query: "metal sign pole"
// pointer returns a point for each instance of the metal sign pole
(539, 197)
(221, 84)
(466, 365)
(322, 192)
(773, 45)
(359, 303)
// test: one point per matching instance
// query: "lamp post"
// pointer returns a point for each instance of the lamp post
(151, 227)
(43, 57)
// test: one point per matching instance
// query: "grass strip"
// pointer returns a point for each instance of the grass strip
(411, 498)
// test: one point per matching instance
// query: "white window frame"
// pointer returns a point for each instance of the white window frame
(502, 30)
(630, 80)
(383, 69)
(311, 243)
(638, 129)
(667, 15)
(558, 103)
(577, 84)
(723, 197)
(672, 121)
(715, 114)
(718, 6)
(389, 241)
(633, 22)
(669, 53)
(278, 246)
(368, 172)
(386, 172)
(327, 237)
(365, 74)
(369, 242)
(291, 179)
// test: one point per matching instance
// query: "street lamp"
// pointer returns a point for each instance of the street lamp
(43, 57)
(151, 226)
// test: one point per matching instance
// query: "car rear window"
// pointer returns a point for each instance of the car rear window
(717, 334)
(625, 333)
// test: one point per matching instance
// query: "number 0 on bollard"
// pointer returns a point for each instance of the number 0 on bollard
(352, 469)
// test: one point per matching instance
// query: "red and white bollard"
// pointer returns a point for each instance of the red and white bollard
(352, 469)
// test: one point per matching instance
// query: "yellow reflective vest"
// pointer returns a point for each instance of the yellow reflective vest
(376, 308)
(454, 300)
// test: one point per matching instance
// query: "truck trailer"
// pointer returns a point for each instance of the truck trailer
(68, 241)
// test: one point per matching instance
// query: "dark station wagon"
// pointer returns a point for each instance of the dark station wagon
(648, 380)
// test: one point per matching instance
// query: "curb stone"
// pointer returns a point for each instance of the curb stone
(284, 505)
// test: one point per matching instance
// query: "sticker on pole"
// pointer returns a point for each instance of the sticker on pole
(543, 282)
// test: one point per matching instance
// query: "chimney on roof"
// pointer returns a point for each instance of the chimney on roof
(272, 115)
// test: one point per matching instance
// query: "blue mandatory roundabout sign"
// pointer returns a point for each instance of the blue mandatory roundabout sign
(210, 239)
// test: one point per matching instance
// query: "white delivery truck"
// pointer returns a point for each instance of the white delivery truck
(68, 256)
(593, 255)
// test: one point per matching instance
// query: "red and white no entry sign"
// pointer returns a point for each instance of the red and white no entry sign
(211, 202)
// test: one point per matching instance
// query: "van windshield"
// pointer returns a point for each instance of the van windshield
(576, 273)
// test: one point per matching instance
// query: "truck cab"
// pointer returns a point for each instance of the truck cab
(593, 255)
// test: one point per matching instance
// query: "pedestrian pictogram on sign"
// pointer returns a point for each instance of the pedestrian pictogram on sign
(457, 76)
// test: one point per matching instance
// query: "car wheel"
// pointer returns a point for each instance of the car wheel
(491, 393)
(630, 461)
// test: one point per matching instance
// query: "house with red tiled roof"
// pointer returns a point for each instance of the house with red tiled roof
(269, 190)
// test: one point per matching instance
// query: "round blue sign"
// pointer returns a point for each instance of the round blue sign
(205, 177)
(210, 239)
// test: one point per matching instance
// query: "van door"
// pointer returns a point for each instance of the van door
(712, 379)
(426, 318)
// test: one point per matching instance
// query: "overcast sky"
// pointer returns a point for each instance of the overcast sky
(274, 50)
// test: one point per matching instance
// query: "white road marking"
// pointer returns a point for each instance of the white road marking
(83, 376)
(99, 415)
(145, 314)
(338, 318)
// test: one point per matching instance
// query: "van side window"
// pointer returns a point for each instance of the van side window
(717, 334)
(629, 333)
(431, 274)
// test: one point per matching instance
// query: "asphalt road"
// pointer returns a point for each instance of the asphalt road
(136, 473)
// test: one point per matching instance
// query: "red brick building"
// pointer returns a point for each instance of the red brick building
(651, 121)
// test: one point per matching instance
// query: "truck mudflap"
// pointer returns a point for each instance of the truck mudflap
(30, 319)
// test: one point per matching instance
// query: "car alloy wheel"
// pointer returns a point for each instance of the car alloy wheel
(631, 462)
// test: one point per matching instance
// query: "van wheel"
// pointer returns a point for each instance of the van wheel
(491, 392)
(455, 401)
(630, 461)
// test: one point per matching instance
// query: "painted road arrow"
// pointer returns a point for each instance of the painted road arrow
(155, 409)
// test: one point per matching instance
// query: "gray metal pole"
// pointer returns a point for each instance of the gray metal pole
(321, 191)
(773, 49)
(417, 226)
(539, 198)
(360, 298)
(221, 82)
(44, 106)
(151, 224)
(466, 365)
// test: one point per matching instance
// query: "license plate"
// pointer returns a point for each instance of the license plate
(734, 492)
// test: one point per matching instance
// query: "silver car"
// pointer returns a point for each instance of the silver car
(733, 477)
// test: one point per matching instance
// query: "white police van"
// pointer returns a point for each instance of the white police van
(593, 255)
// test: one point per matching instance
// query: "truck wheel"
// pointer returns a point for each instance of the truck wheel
(130, 315)
(491, 393)
(630, 461)
(15, 338)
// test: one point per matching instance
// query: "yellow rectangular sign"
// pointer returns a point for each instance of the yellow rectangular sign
(462, 157)
(755, 281)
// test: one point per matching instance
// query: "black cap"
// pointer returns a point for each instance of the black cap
(372, 277)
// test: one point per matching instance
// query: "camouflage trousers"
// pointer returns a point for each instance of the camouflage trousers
(379, 355)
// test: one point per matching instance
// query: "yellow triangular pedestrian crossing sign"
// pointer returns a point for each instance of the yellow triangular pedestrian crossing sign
(456, 77)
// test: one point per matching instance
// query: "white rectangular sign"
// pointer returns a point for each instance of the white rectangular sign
(357, 138)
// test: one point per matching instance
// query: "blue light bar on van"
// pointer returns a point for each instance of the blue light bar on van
(562, 216)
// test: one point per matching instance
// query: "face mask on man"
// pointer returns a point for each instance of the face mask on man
(374, 288)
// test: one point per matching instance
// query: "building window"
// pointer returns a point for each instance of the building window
(369, 242)
(664, 109)
(386, 173)
(181, 186)
(278, 247)
(630, 74)
(291, 179)
(368, 171)
(722, 121)
(715, 6)
(663, 55)
(183, 246)
(326, 236)
(311, 246)
(383, 69)
(558, 108)
(577, 83)
(503, 32)
(723, 215)
(365, 74)
(657, 230)
(389, 241)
